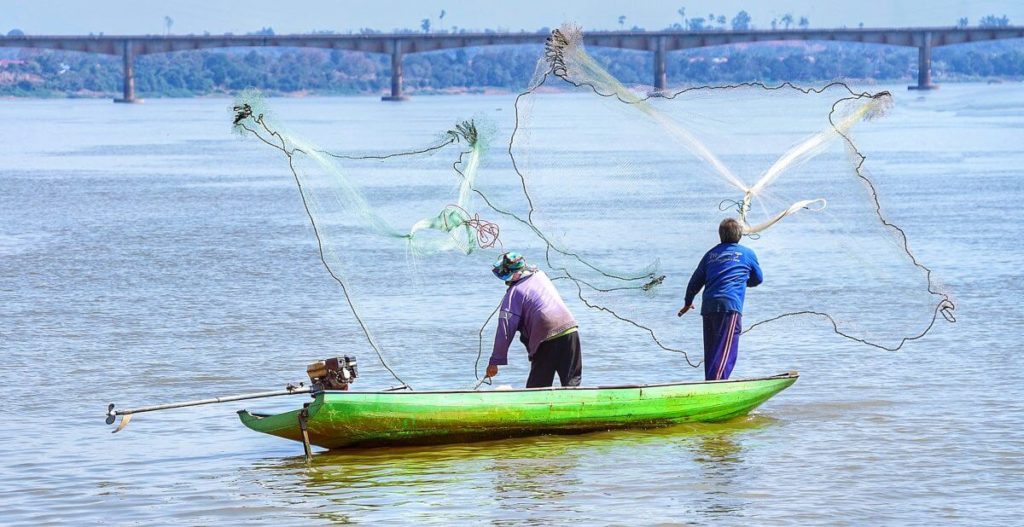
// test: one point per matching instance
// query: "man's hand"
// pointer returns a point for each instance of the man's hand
(685, 308)
(492, 370)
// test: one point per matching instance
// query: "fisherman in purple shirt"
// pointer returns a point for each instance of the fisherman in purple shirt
(533, 307)
(725, 272)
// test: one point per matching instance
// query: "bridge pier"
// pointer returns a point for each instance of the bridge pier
(396, 73)
(924, 64)
(660, 76)
(129, 74)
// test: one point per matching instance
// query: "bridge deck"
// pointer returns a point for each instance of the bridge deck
(416, 43)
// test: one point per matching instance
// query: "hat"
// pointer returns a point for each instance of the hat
(508, 264)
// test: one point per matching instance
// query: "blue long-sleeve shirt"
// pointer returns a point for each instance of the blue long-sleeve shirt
(725, 272)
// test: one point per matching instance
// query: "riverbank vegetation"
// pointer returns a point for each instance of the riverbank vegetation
(43, 73)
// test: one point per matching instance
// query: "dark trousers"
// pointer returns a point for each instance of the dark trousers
(721, 344)
(559, 355)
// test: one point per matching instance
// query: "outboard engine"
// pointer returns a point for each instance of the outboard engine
(333, 374)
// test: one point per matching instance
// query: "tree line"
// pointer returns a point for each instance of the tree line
(288, 71)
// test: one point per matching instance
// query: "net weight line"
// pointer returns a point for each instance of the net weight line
(557, 68)
(488, 230)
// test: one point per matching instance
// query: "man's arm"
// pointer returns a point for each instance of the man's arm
(697, 280)
(508, 324)
(756, 276)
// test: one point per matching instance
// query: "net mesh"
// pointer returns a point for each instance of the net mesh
(668, 166)
(621, 189)
(425, 240)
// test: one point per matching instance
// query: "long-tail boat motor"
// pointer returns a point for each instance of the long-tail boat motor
(333, 374)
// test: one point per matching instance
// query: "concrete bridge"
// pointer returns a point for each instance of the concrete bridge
(397, 45)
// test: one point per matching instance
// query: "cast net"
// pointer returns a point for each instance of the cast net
(399, 232)
(617, 191)
(626, 186)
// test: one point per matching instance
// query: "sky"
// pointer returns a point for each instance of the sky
(115, 17)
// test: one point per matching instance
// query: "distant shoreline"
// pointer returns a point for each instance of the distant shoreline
(498, 70)
(487, 92)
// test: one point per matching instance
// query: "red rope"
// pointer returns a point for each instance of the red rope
(487, 232)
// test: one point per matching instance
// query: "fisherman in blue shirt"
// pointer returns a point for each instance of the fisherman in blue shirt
(725, 272)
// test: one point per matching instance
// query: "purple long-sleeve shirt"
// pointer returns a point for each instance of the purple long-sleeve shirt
(533, 307)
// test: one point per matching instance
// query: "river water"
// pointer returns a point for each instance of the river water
(147, 256)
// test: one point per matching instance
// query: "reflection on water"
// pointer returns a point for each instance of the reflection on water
(720, 460)
(527, 478)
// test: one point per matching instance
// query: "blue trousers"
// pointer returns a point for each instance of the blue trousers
(721, 342)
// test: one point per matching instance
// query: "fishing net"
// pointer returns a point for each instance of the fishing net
(626, 187)
(399, 232)
(618, 191)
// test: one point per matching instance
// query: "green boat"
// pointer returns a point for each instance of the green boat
(340, 419)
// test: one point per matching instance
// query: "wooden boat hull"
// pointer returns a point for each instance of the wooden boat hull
(339, 419)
